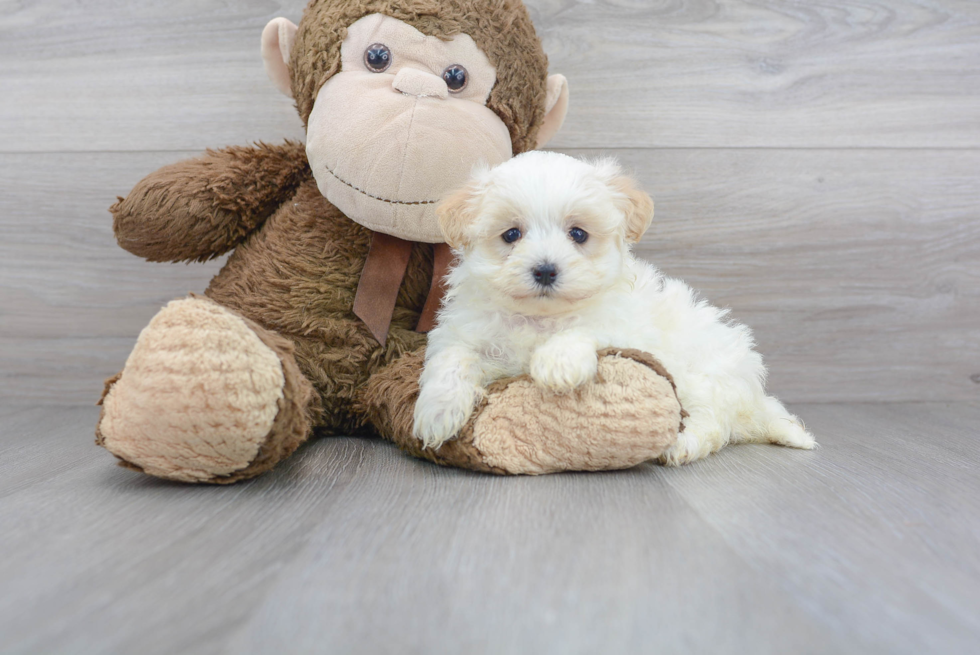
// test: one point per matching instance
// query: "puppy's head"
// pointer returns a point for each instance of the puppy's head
(544, 232)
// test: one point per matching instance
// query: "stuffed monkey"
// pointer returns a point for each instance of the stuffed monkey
(315, 325)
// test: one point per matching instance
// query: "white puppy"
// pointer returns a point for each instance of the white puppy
(545, 278)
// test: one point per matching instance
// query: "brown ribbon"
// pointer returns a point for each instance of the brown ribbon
(441, 258)
(381, 278)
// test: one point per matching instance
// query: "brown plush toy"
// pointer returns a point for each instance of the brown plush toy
(316, 323)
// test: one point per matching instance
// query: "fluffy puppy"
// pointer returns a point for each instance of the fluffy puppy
(545, 278)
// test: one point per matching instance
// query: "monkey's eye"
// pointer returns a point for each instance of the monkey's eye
(377, 58)
(455, 77)
(511, 235)
(578, 235)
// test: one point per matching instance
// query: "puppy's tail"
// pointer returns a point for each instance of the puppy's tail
(772, 423)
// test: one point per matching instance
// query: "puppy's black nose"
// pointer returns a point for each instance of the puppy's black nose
(545, 274)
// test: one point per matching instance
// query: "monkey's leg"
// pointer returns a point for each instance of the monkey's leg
(206, 396)
(628, 415)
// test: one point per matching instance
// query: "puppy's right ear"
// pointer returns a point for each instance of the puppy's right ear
(455, 215)
(634, 202)
(637, 206)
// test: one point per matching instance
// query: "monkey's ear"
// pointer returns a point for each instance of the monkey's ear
(637, 205)
(555, 108)
(277, 41)
(455, 215)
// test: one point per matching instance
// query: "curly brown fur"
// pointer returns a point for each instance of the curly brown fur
(388, 402)
(300, 409)
(297, 259)
(297, 276)
(201, 208)
(501, 28)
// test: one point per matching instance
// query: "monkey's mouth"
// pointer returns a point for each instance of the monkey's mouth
(374, 197)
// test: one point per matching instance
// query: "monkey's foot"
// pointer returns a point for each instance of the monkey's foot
(206, 396)
(628, 415)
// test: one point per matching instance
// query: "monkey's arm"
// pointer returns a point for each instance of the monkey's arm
(200, 208)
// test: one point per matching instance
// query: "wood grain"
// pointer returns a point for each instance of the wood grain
(100, 560)
(138, 76)
(859, 270)
(887, 478)
(770, 73)
(815, 169)
(868, 544)
(72, 301)
(685, 73)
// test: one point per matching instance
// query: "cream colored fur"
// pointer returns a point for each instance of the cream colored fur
(385, 146)
(197, 397)
(360, 115)
(497, 321)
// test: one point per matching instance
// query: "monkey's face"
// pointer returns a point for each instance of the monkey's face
(401, 124)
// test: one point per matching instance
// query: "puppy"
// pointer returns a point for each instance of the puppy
(545, 278)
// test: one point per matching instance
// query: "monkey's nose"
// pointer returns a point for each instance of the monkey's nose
(545, 274)
(413, 82)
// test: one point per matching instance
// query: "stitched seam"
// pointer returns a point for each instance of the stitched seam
(411, 122)
(392, 202)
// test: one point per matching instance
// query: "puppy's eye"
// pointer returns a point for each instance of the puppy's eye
(455, 77)
(511, 235)
(377, 58)
(578, 235)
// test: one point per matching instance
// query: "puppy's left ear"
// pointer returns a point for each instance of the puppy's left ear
(636, 204)
(455, 215)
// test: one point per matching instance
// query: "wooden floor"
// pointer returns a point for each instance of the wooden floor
(814, 164)
(868, 544)
(815, 168)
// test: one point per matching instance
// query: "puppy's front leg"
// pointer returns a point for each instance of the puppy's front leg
(449, 388)
(565, 361)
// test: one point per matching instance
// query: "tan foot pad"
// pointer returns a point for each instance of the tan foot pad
(198, 396)
(628, 416)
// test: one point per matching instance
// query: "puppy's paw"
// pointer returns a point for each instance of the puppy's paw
(686, 449)
(440, 416)
(563, 373)
(563, 364)
(698, 440)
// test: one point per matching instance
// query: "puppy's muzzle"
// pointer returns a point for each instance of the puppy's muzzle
(545, 274)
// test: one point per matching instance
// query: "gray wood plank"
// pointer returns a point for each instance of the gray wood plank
(777, 73)
(72, 301)
(868, 544)
(451, 563)
(120, 75)
(693, 73)
(873, 538)
(859, 270)
(878, 535)
(98, 559)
